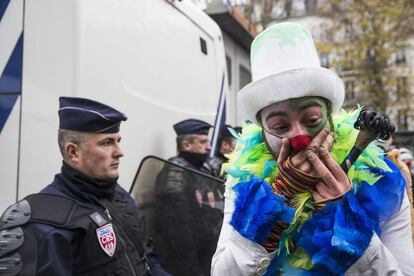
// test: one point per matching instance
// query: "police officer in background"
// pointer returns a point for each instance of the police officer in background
(187, 214)
(226, 144)
(193, 145)
(84, 223)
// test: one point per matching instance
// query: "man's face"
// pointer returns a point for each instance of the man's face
(199, 144)
(99, 156)
(290, 118)
(227, 145)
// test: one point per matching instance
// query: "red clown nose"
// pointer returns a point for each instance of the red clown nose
(300, 142)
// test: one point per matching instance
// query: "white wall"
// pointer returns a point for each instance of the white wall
(239, 58)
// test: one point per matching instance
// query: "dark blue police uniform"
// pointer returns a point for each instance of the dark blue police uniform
(79, 225)
(186, 242)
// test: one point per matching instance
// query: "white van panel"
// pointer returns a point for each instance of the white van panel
(141, 57)
(48, 71)
(11, 27)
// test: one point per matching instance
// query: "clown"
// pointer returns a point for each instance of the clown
(290, 208)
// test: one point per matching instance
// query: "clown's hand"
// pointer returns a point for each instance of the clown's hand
(335, 182)
(324, 139)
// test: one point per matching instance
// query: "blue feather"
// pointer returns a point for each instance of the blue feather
(384, 199)
(257, 209)
(269, 167)
(338, 235)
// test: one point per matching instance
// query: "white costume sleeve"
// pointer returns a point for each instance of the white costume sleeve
(392, 253)
(236, 255)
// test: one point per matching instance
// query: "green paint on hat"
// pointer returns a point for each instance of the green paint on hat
(287, 33)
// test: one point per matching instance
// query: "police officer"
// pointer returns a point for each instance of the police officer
(193, 145)
(226, 144)
(188, 218)
(83, 223)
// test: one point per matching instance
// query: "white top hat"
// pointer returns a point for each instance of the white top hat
(285, 65)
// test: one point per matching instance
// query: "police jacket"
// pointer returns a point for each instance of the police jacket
(89, 228)
(179, 160)
(187, 224)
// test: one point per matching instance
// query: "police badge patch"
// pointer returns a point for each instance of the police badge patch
(107, 239)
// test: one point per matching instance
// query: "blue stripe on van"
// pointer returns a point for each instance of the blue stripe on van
(11, 79)
(11, 82)
(3, 7)
(6, 105)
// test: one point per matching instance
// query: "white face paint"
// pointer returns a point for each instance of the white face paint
(291, 118)
(273, 143)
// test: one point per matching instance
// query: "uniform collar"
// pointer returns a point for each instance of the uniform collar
(79, 181)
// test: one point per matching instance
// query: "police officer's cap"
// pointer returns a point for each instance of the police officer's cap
(192, 126)
(85, 115)
(225, 131)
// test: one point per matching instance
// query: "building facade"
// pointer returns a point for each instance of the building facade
(396, 80)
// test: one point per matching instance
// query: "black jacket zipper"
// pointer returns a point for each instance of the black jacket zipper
(123, 243)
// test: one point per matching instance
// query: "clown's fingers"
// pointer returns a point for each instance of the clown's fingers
(318, 140)
(332, 188)
(334, 168)
(321, 193)
(284, 151)
(314, 145)
(333, 185)
(329, 140)
(317, 197)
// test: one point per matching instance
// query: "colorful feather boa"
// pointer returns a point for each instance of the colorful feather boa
(323, 239)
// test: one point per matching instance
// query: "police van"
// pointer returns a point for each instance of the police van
(158, 61)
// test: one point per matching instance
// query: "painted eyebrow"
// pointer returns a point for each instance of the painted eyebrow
(309, 104)
(276, 113)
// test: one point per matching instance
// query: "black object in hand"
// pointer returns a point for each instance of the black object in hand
(371, 125)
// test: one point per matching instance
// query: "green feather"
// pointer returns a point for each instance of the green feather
(300, 259)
